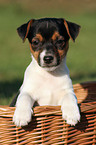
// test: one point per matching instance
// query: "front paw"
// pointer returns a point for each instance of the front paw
(22, 116)
(71, 114)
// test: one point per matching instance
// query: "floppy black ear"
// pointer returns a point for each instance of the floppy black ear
(72, 29)
(23, 30)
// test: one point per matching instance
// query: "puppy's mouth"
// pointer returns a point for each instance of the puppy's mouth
(49, 67)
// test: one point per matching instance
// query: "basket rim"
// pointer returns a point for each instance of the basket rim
(7, 111)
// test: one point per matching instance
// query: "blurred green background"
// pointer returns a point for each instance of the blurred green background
(15, 55)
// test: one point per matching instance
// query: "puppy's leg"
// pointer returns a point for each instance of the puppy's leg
(69, 108)
(23, 112)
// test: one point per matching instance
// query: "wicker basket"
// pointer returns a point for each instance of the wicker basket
(48, 127)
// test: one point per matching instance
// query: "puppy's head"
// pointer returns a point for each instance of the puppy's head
(48, 39)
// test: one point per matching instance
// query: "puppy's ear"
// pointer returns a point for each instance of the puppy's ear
(23, 30)
(72, 29)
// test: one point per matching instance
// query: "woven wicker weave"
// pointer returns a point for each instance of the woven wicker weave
(48, 127)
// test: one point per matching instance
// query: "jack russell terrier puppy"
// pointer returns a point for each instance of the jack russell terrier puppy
(46, 79)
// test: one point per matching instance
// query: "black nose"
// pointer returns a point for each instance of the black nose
(48, 59)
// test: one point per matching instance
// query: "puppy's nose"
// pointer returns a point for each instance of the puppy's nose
(48, 59)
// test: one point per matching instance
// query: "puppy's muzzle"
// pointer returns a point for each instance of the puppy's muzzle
(48, 59)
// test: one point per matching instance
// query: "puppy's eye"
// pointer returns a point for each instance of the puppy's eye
(35, 42)
(60, 41)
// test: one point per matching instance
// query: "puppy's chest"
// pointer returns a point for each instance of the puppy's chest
(47, 90)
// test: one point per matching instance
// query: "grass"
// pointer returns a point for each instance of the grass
(15, 55)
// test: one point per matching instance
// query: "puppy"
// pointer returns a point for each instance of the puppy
(46, 79)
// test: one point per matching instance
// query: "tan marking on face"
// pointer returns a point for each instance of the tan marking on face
(35, 53)
(39, 37)
(55, 35)
(62, 53)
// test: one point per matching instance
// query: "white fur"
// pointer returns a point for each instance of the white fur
(47, 88)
